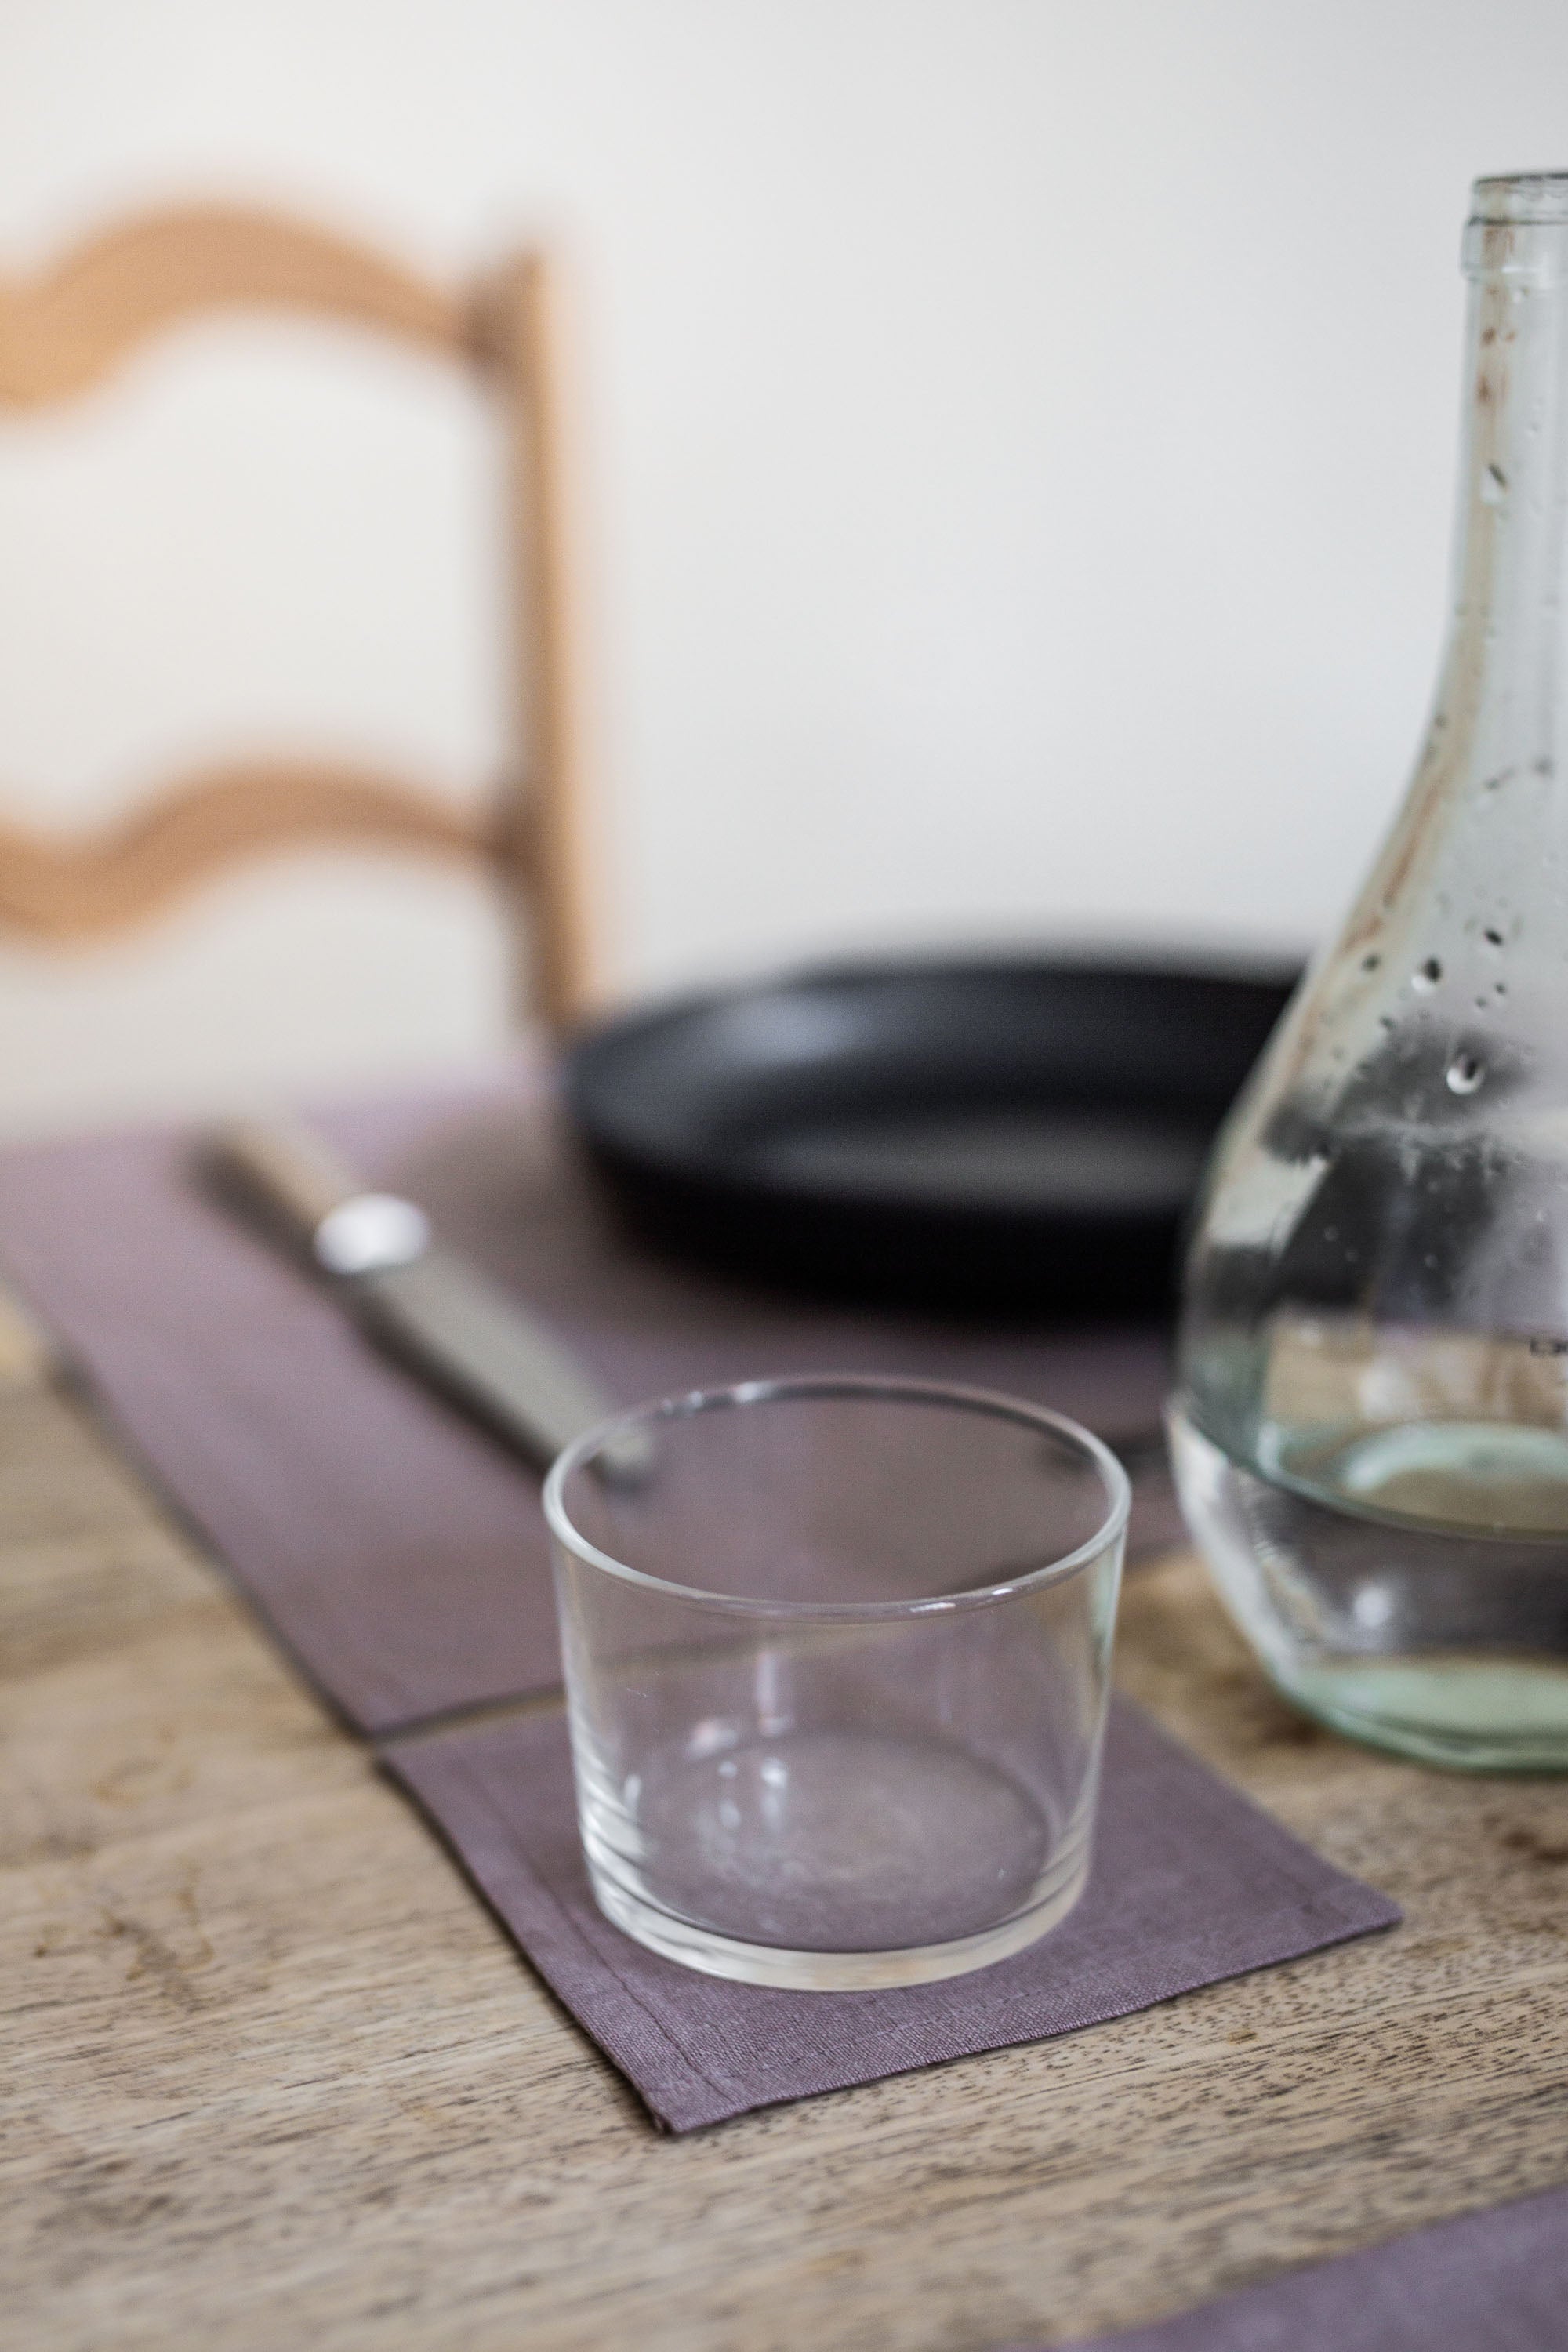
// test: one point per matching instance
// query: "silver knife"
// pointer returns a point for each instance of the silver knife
(417, 1299)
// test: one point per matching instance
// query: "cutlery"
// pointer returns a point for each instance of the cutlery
(417, 1298)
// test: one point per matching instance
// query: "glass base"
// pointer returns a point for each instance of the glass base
(831, 1858)
(803, 1971)
(1471, 1715)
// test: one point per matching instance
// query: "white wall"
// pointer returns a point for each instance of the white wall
(1023, 437)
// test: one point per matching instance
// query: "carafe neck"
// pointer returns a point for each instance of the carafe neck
(1505, 675)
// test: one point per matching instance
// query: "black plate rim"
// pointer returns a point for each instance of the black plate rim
(609, 1128)
(681, 1188)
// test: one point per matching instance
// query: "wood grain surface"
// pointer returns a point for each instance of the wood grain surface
(272, 2076)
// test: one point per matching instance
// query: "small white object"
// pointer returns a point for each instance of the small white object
(372, 1232)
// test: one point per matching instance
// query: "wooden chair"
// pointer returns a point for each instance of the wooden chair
(64, 330)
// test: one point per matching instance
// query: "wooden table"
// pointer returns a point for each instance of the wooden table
(274, 2078)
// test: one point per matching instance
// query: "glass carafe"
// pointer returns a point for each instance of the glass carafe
(1371, 1428)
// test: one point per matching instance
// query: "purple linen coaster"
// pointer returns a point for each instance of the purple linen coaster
(1190, 1883)
(398, 1553)
(1491, 2281)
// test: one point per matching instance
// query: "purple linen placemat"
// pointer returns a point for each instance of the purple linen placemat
(399, 1552)
(1190, 1883)
(1491, 2281)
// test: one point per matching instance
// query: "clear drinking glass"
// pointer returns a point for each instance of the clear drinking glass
(1372, 1428)
(836, 1654)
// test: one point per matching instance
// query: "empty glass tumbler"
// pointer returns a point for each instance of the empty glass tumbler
(836, 1655)
(1372, 1425)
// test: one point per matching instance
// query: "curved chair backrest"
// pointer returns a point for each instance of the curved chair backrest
(63, 331)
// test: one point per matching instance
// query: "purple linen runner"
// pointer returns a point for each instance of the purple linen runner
(398, 1551)
(400, 1554)
(1491, 2281)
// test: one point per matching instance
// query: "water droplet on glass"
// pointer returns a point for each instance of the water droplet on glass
(1369, 962)
(1492, 937)
(1494, 487)
(1430, 974)
(1465, 1072)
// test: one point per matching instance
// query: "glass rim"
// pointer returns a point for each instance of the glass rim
(685, 1405)
(1525, 199)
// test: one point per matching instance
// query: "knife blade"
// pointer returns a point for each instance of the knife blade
(421, 1302)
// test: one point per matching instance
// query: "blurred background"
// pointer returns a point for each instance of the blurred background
(1019, 446)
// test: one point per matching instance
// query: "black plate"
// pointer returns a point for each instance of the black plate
(992, 1137)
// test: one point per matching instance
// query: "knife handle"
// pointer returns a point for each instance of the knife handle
(285, 1171)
